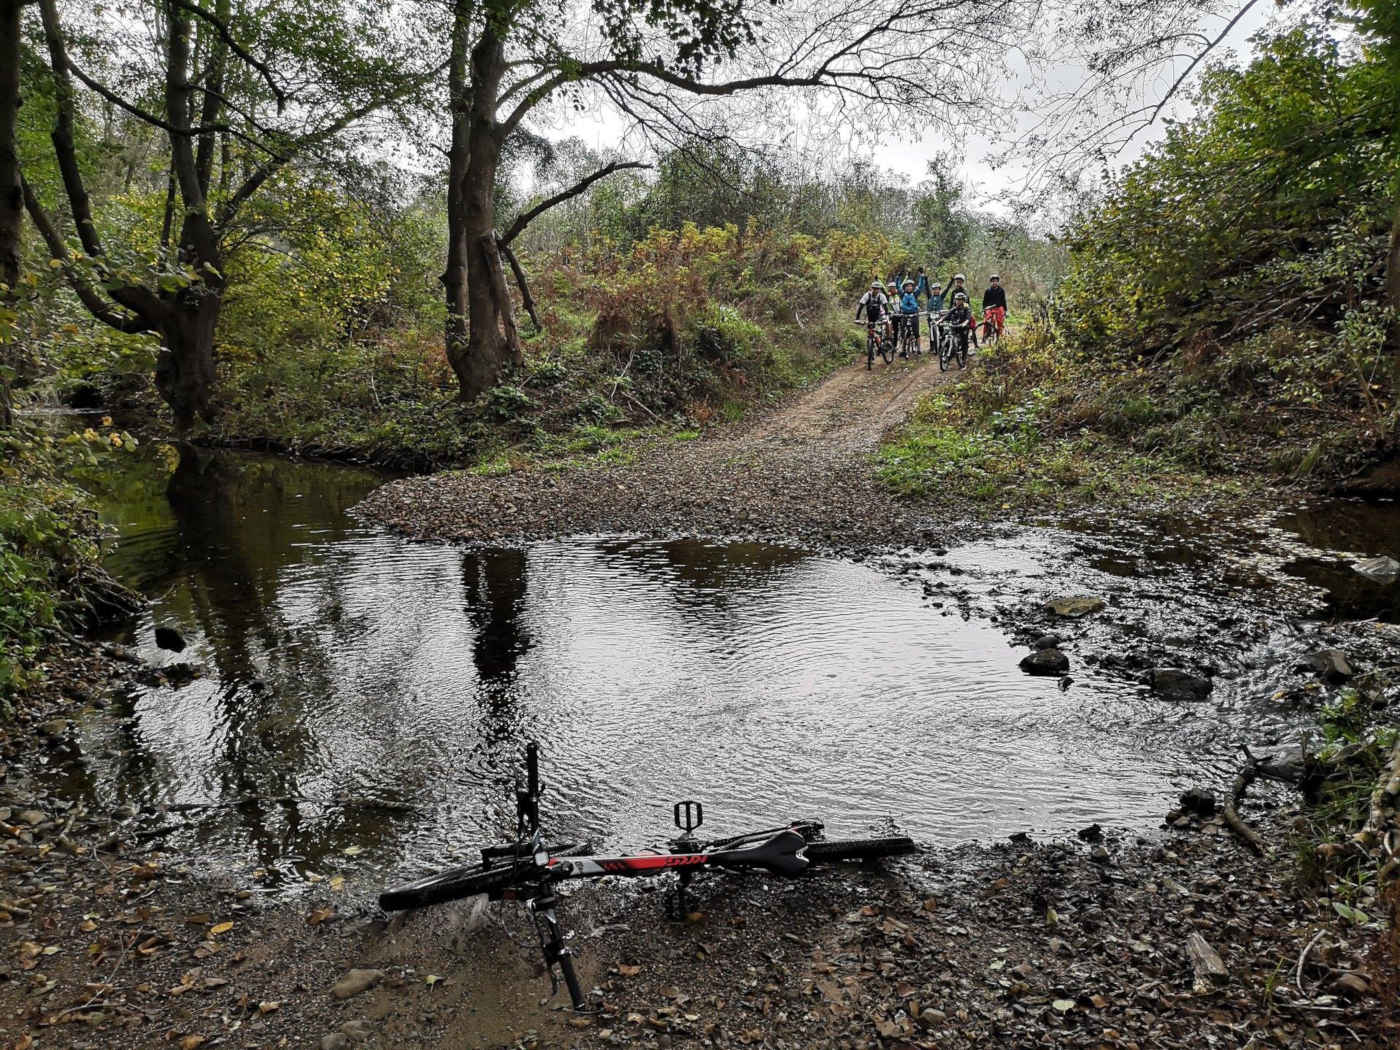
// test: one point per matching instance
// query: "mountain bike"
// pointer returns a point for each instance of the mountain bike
(909, 335)
(952, 345)
(877, 341)
(528, 870)
(993, 319)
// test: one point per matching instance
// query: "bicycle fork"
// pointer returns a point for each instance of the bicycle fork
(556, 953)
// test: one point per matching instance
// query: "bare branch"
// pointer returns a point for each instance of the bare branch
(525, 218)
(226, 35)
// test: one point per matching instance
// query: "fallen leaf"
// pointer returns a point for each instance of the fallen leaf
(319, 915)
(268, 1007)
(1063, 1005)
(337, 882)
(191, 1041)
(628, 971)
(222, 927)
(432, 979)
(353, 851)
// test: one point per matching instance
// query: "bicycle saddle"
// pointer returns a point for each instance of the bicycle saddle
(781, 854)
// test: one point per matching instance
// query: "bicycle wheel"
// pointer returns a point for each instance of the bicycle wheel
(869, 351)
(945, 350)
(887, 350)
(859, 849)
(450, 885)
(962, 354)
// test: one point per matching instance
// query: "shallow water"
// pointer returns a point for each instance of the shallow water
(368, 697)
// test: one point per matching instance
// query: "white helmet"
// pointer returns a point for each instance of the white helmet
(876, 284)
(959, 277)
(994, 277)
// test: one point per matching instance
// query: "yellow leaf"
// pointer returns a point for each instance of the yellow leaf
(191, 1041)
(222, 927)
(267, 1007)
(353, 851)
(337, 882)
(431, 979)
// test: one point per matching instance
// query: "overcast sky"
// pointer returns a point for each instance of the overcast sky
(991, 186)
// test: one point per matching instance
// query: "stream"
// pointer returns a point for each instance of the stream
(358, 702)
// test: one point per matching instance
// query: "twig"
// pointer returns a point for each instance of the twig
(643, 407)
(1245, 833)
(1302, 958)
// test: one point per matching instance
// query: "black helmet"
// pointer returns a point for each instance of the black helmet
(961, 297)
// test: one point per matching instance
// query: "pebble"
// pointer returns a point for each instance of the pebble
(355, 982)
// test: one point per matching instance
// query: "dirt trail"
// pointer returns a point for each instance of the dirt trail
(802, 472)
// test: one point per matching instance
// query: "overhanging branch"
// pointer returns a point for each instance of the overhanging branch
(226, 35)
(524, 219)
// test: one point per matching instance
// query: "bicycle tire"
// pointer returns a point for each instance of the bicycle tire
(450, 885)
(962, 355)
(945, 352)
(869, 351)
(859, 849)
(887, 351)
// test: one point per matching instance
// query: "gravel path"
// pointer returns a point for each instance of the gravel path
(802, 472)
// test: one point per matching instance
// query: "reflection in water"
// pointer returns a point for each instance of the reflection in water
(362, 691)
(1340, 532)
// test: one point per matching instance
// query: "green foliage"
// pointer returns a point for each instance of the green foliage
(48, 541)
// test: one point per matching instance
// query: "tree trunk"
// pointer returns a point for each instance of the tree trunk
(492, 339)
(454, 277)
(185, 364)
(1392, 278)
(11, 197)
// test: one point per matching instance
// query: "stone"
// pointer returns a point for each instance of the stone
(335, 1041)
(1099, 855)
(356, 1031)
(1206, 964)
(170, 639)
(54, 728)
(1351, 986)
(1200, 801)
(1332, 664)
(32, 817)
(1072, 607)
(1286, 762)
(1045, 662)
(1093, 833)
(1047, 641)
(355, 982)
(1384, 569)
(1171, 684)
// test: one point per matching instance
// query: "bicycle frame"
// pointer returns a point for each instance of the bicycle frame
(529, 871)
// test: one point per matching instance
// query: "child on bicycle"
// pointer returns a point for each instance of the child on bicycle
(875, 304)
(994, 304)
(961, 320)
(909, 311)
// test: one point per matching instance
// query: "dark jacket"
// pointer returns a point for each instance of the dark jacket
(995, 295)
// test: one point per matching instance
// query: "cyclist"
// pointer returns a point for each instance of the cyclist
(994, 303)
(875, 304)
(909, 312)
(960, 318)
(959, 285)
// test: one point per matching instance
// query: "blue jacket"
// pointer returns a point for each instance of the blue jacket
(909, 303)
(935, 303)
(921, 289)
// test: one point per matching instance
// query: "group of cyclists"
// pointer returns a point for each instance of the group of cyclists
(896, 303)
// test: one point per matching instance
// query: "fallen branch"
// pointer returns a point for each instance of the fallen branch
(1383, 824)
(1243, 831)
(1303, 957)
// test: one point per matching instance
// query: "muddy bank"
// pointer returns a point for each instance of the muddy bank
(1082, 943)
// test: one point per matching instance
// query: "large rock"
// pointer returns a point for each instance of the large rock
(170, 639)
(1384, 569)
(1074, 606)
(1198, 800)
(1171, 684)
(1046, 662)
(1332, 664)
(355, 982)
